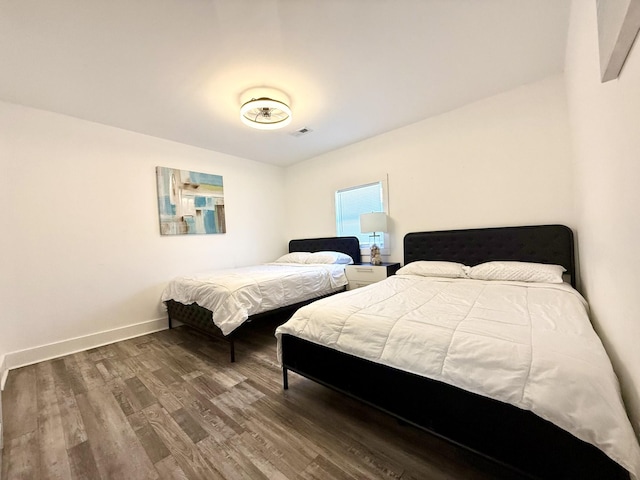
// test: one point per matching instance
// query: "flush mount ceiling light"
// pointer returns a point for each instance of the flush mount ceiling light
(264, 112)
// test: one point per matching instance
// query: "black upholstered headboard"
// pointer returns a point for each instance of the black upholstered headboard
(348, 245)
(535, 243)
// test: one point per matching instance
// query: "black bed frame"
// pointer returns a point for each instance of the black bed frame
(519, 439)
(200, 318)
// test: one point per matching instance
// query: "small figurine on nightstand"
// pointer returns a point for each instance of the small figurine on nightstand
(376, 259)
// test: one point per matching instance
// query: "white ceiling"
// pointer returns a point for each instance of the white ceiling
(353, 69)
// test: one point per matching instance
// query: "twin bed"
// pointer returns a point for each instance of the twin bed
(220, 302)
(497, 357)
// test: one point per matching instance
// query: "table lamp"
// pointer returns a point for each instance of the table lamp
(372, 223)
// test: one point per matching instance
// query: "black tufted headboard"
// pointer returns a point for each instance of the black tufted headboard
(348, 245)
(535, 243)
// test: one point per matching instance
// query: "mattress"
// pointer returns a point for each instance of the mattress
(233, 295)
(528, 344)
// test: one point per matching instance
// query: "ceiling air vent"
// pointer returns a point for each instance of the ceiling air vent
(302, 131)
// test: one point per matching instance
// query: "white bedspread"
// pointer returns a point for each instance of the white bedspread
(531, 345)
(235, 294)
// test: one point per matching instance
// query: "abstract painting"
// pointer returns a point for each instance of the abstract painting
(190, 202)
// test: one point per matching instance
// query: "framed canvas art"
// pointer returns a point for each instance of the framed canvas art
(190, 202)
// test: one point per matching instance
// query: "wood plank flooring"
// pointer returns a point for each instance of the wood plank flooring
(170, 406)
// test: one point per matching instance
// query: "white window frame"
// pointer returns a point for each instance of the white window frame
(365, 246)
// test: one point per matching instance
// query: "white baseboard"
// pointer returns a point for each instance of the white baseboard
(4, 371)
(3, 378)
(29, 356)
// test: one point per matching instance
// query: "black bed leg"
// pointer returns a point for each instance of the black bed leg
(170, 326)
(285, 378)
(232, 350)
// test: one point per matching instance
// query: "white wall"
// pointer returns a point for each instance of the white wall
(81, 249)
(502, 161)
(605, 123)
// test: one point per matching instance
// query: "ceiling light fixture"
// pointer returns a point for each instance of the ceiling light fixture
(261, 110)
(265, 113)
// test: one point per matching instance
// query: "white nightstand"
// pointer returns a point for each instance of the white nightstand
(365, 274)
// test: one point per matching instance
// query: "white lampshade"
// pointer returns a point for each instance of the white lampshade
(373, 222)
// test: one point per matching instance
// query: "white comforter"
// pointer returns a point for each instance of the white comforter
(234, 294)
(531, 345)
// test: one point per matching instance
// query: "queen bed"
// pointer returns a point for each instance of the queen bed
(504, 364)
(218, 303)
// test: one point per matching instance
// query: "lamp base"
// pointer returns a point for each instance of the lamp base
(376, 259)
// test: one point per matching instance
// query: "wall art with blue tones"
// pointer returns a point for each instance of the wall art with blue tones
(190, 202)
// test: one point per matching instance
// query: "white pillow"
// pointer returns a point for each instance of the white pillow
(434, 269)
(329, 257)
(518, 271)
(294, 257)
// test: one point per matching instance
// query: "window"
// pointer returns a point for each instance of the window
(351, 202)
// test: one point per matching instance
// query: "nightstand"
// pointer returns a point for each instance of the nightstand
(364, 274)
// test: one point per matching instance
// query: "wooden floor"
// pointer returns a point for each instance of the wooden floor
(170, 405)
